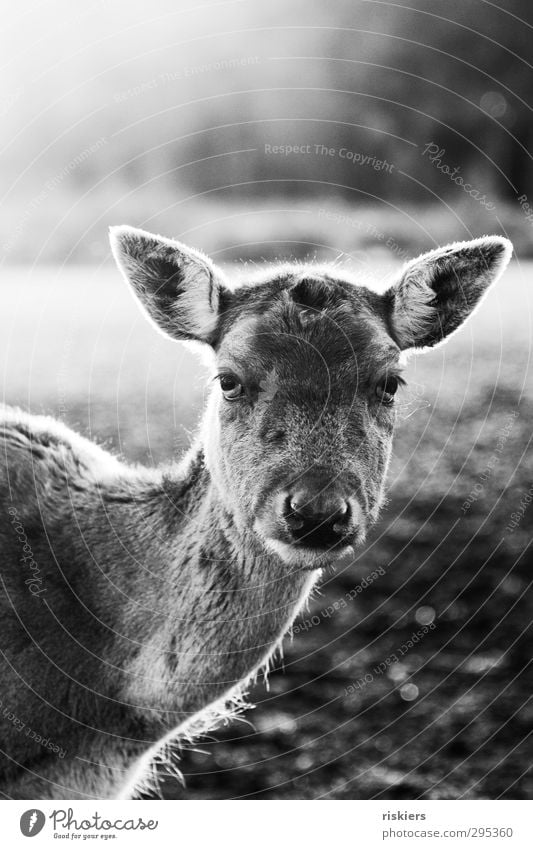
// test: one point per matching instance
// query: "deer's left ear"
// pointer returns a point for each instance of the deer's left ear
(439, 290)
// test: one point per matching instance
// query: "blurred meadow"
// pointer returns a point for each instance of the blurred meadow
(167, 116)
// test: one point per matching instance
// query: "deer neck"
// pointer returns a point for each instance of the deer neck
(221, 608)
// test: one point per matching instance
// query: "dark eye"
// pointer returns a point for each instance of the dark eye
(386, 389)
(231, 388)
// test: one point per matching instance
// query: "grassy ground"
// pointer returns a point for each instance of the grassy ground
(452, 715)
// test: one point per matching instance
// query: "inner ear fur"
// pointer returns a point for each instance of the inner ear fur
(178, 287)
(439, 290)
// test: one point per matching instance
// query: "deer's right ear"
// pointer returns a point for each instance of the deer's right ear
(178, 286)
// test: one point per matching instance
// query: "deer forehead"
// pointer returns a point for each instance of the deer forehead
(305, 328)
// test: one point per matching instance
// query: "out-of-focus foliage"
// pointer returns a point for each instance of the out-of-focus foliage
(155, 113)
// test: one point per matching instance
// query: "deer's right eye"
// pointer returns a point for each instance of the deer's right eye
(231, 388)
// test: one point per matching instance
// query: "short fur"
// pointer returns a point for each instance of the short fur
(139, 603)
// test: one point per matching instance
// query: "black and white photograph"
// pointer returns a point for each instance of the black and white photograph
(266, 479)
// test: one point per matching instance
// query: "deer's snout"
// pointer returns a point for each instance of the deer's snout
(320, 515)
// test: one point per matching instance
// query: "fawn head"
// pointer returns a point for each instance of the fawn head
(298, 430)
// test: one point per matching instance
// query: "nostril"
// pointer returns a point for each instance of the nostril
(336, 513)
(291, 515)
(342, 519)
(294, 522)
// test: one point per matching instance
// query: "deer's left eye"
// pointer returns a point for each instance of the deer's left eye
(386, 390)
(231, 388)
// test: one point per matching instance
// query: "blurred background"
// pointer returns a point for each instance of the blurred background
(360, 131)
(164, 114)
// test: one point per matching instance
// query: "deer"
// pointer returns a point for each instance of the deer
(139, 604)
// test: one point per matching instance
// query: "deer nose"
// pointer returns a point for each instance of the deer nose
(319, 517)
(312, 506)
